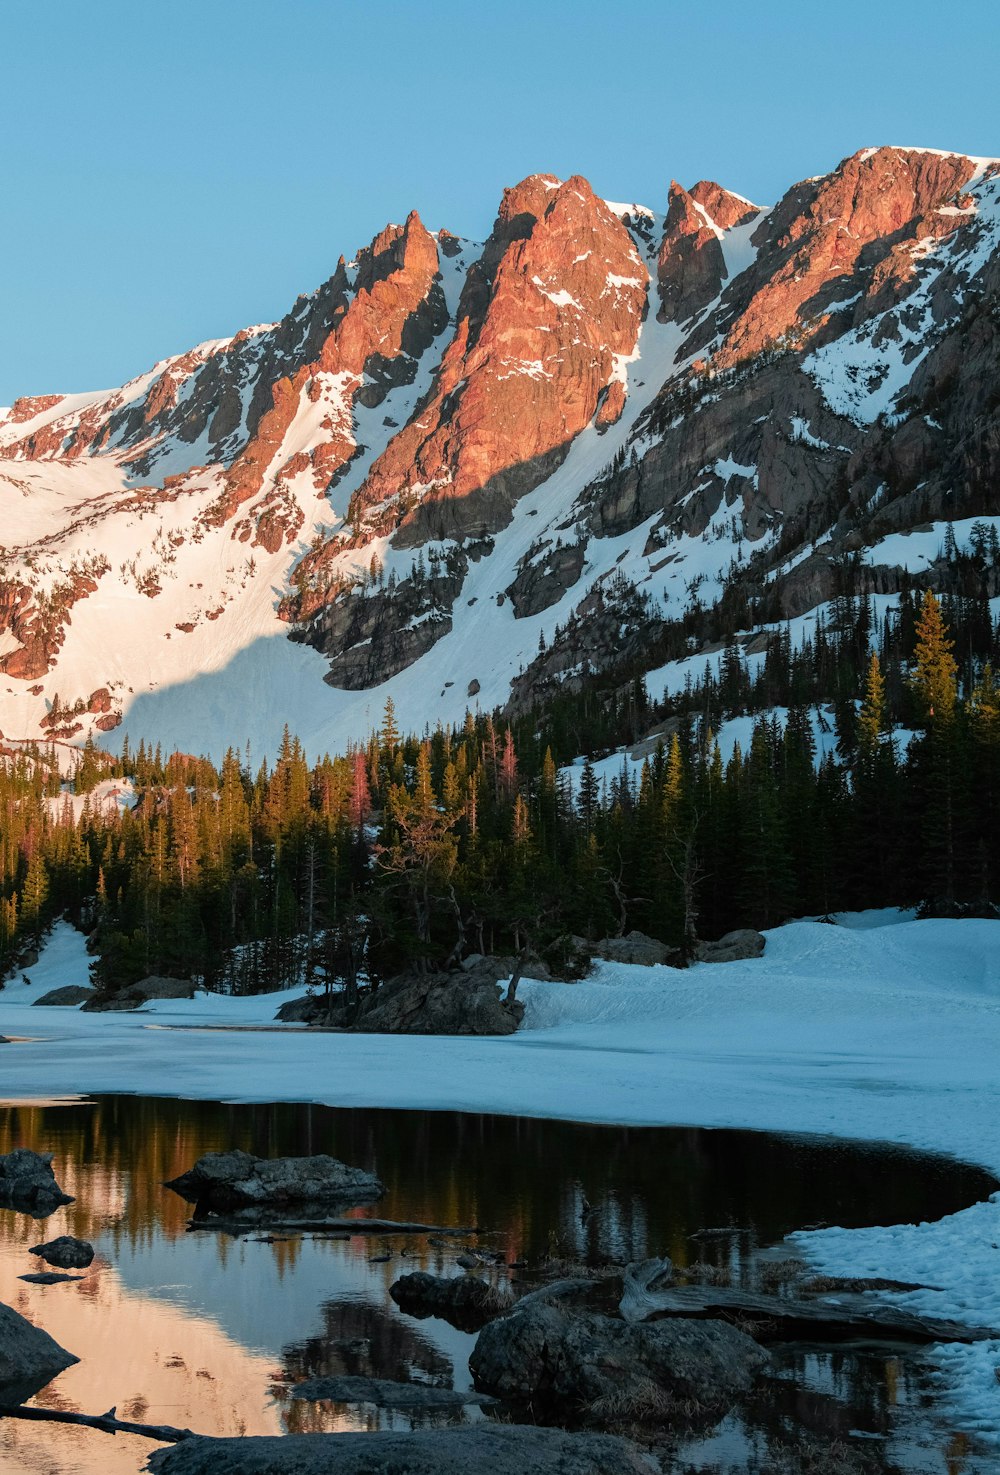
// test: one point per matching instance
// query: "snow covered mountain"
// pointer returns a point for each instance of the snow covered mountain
(463, 473)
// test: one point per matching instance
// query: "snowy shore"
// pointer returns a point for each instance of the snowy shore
(879, 1029)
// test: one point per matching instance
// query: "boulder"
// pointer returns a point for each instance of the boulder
(69, 995)
(232, 1182)
(27, 1182)
(29, 1357)
(573, 1365)
(635, 947)
(478, 1449)
(732, 948)
(468, 1002)
(137, 994)
(308, 1009)
(65, 1252)
(102, 1003)
(463, 1300)
(156, 987)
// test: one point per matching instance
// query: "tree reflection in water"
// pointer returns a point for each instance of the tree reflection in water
(211, 1331)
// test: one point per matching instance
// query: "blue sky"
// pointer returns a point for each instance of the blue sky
(173, 172)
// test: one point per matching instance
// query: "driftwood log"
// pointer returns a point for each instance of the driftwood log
(109, 1423)
(848, 1318)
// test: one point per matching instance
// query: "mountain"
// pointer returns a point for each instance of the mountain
(467, 473)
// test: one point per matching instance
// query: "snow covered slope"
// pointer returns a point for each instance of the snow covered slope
(462, 473)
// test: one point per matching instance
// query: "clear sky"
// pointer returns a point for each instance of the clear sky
(174, 171)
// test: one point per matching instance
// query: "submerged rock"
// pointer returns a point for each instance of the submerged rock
(70, 995)
(385, 1393)
(231, 1182)
(65, 1252)
(599, 1370)
(48, 1278)
(27, 1182)
(29, 1357)
(463, 1300)
(480, 1449)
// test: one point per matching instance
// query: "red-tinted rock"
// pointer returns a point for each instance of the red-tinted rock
(558, 295)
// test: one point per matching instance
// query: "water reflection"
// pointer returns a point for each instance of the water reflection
(210, 1331)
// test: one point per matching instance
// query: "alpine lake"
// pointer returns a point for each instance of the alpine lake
(212, 1330)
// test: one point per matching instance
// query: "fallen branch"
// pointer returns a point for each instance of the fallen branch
(108, 1423)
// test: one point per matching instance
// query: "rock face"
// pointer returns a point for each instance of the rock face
(556, 298)
(27, 1182)
(483, 1449)
(464, 1300)
(682, 1372)
(29, 1357)
(65, 1252)
(230, 1182)
(70, 995)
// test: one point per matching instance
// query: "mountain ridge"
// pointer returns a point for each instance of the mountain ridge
(440, 470)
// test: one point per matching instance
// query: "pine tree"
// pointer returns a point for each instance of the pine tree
(935, 671)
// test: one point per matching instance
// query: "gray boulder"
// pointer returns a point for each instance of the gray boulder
(70, 994)
(468, 1002)
(27, 1182)
(29, 1357)
(309, 1009)
(463, 1300)
(635, 947)
(137, 994)
(65, 1252)
(155, 987)
(231, 1182)
(479, 1449)
(732, 948)
(572, 1365)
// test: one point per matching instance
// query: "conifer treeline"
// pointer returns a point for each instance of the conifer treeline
(425, 848)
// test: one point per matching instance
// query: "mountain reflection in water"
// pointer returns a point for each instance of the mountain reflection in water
(211, 1332)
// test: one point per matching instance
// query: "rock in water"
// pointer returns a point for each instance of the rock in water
(482, 1449)
(65, 1252)
(385, 1393)
(674, 1372)
(27, 1182)
(29, 1357)
(463, 1300)
(230, 1182)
